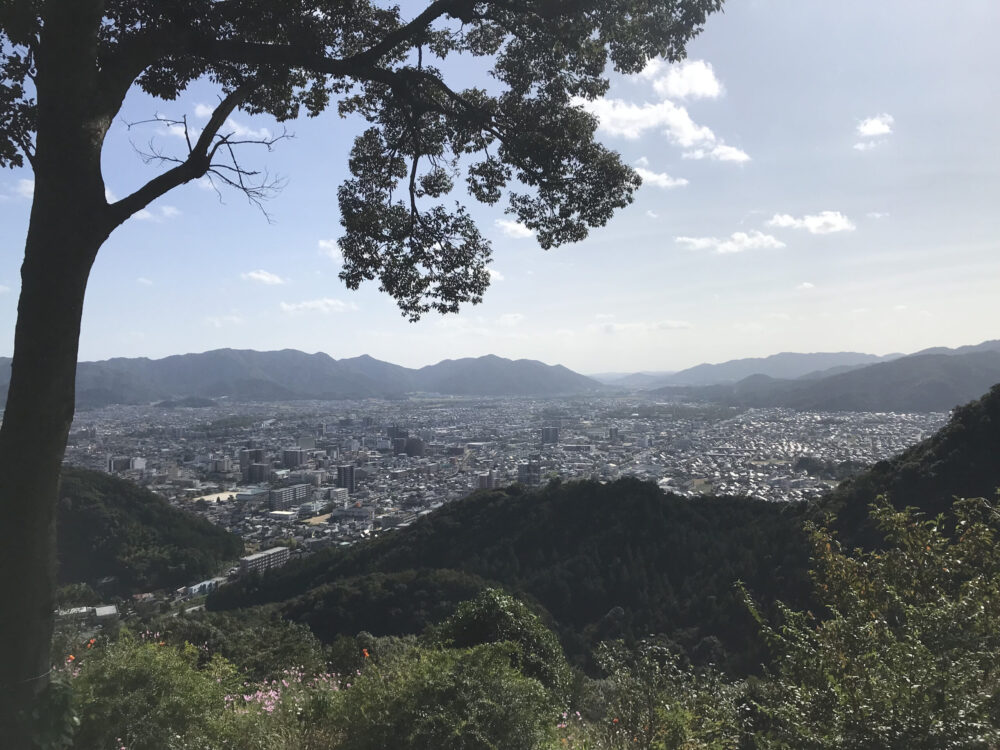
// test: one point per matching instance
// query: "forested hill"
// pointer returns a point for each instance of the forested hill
(604, 560)
(961, 460)
(918, 383)
(110, 527)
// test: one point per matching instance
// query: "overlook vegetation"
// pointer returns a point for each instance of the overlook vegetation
(604, 561)
(110, 527)
(593, 616)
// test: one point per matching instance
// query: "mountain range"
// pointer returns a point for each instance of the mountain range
(290, 374)
(932, 380)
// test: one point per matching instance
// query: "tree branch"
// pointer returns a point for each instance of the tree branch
(197, 163)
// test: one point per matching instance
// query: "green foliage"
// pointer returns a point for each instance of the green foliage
(149, 695)
(497, 617)
(467, 699)
(907, 655)
(427, 145)
(959, 460)
(382, 603)
(652, 702)
(607, 561)
(110, 527)
(258, 642)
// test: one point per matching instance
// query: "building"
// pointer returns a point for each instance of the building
(248, 457)
(550, 435)
(260, 561)
(292, 458)
(345, 477)
(529, 473)
(486, 480)
(284, 498)
(257, 473)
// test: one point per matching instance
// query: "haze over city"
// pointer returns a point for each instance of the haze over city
(817, 177)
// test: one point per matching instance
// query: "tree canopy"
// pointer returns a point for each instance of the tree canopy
(522, 135)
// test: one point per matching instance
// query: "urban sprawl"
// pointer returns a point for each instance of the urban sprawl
(294, 477)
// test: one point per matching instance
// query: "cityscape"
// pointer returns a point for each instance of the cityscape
(303, 476)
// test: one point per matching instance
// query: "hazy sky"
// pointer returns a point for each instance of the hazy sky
(819, 176)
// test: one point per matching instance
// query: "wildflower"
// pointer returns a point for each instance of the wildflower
(365, 652)
(71, 658)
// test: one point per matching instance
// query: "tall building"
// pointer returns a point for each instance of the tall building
(486, 480)
(293, 457)
(550, 435)
(529, 473)
(345, 477)
(249, 456)
(257, 473)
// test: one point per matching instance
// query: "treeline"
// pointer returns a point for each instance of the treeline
(604, 561)
(109, 527)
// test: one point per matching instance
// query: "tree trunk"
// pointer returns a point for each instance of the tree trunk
(69, 222)
(60, 249)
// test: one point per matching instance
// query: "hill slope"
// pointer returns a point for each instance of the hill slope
(961, 460)
(604, 560)
(110, 527)
(920, 382)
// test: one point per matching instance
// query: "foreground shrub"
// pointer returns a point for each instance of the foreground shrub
(907, 655)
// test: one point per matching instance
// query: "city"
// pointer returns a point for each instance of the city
(308, 475)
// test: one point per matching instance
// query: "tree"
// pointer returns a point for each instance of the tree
(68, 65)
(908, 653)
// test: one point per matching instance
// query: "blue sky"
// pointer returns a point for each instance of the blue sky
(819, 177)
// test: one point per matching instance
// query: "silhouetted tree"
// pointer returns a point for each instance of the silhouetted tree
(68, 65)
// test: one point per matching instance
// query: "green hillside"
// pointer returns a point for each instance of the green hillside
(110, 527)
(622, 559)
(961, 460)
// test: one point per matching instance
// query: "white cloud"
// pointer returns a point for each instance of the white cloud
(325, 305)
(4, 289)
(262, 277)
(693, 79)
(875, 126)
(736, 243)
(877, 214)
(25, 188)
(806, 285)
(652, 214)
(144, 281)
(825, 222)
(220, 321)
(331, 250)
(513, 229)
(247, 133)
(109, 196)
(494, 274)
(627, 120)
(645, 327)
(866, 145)
(510, 319)
(642, 161)
(721, 152)
(203, 111)
(660, 179)
(157, 215)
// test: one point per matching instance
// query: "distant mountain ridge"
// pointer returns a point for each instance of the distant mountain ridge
(920, 382)
(290, 374)
(785, 365)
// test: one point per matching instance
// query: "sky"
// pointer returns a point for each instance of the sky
(817, 177)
